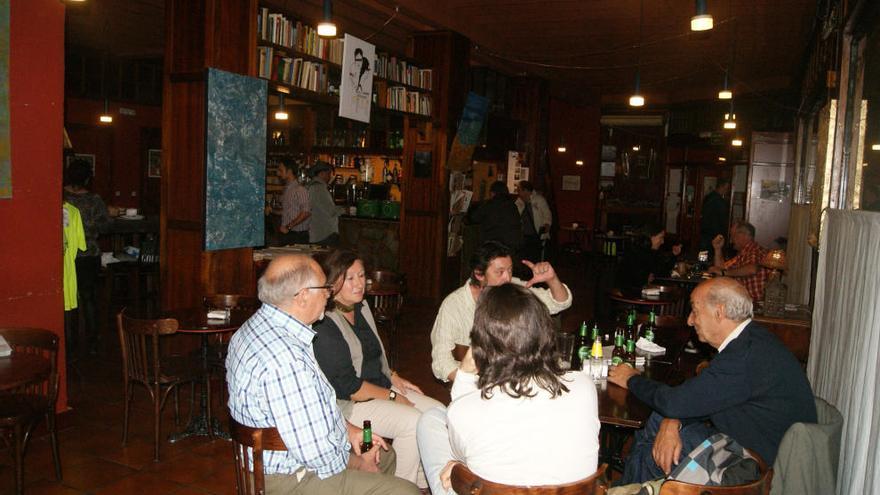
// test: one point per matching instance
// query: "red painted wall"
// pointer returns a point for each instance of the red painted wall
(30, 222)
(120, 150)
(579, 127)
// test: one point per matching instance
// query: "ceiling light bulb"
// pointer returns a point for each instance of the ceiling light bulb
(722, 159)
(730, 121)
(281, 115)
(105, 118)
(578, 162)
(561, 149)
(636, 101)
(737, 142)
(725, 94)
(636, 148)
(327, 30)
(875, 147)
(701, 22)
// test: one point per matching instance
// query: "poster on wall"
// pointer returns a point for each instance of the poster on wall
(235, 161)
(5, 145)
(516, 171)
(469, 128)
(356, 90)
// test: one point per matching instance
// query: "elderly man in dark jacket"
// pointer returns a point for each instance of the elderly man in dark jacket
(753, 390)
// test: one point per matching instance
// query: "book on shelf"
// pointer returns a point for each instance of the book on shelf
(296, 72)
(279, 30)
(400, 99)
(393, 69)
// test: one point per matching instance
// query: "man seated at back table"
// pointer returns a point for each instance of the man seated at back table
(274, 381)
(491, 266)
(752, 390)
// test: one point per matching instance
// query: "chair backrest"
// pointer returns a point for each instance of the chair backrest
(662, 321)
(759, 487)
(139, 343)
(41, 342)
(249, 482)
(465, 482)
(231, 301)
(386, 294)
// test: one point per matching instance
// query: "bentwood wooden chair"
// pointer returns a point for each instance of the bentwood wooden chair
(465, 482)
(31, 395)
(143, 364)
(386, 292)
(251, 481)
(759, 487)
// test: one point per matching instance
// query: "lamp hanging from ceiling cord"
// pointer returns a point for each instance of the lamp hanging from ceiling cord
(725, 93)
(561, 147)
(105, 117)
(703, 20)
(637, 100)
(730, 118)
(327, 28)
(281, 113)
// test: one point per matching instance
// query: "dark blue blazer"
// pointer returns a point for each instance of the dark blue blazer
(753, 391)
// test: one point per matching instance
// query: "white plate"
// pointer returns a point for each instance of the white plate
(133, 217)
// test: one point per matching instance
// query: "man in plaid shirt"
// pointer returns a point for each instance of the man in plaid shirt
(274, 381)
(745, 267)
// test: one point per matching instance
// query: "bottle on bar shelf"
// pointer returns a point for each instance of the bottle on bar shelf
(581, 355)
(367, 444)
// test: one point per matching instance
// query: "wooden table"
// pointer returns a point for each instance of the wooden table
(620, 412)
(632, 297)
(195, 321)
(21, 369)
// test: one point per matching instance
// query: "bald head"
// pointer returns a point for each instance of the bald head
(285, 276)
(718, 306)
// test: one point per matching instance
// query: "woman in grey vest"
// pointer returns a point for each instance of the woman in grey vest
(351, 355)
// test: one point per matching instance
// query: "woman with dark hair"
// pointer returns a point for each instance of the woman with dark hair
(516, 417)
(350, 353)
(95, 219)
(645, 260)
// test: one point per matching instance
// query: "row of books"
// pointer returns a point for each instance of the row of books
(399, 98)
(297, 72)
(277, 29)
(391, 68)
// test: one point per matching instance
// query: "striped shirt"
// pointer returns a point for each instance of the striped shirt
(294, 201)
(274, 381)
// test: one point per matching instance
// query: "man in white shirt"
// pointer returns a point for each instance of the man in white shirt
(536, 220)
(324, 225)
(491, 265)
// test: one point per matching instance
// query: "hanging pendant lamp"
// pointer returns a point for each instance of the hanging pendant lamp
(637, 100)
(281, 113)
(105, 117)
(326, 28)
(703, 20)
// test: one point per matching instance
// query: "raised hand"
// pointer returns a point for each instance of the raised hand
(541, 272)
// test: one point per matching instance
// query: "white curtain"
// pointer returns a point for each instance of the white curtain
(799, 256)
(844, 368)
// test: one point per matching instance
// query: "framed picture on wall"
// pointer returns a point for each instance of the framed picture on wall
(154, 163)
(88, 158)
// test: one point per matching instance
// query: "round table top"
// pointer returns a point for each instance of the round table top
(195, 320)
(22, 368)
(634, 296)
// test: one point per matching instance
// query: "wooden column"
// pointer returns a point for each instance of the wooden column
(199, 34)
(426, 199)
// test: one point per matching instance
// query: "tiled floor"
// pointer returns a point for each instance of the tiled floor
(94, 460)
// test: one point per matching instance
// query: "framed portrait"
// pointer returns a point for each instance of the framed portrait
(88, 158)
(154, 163)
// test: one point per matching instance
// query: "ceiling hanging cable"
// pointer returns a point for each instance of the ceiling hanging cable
(726, 93)
(637, 100)
(385, 24)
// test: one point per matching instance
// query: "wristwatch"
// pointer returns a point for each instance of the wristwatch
(392, 395)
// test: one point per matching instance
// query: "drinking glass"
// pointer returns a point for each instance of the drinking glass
(565, 346)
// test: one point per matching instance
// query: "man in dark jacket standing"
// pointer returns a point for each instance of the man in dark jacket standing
(753, 389)
(499, 218)
(714, 214)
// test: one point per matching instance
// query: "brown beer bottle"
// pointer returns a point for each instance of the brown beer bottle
(367, 444)
(618, 356)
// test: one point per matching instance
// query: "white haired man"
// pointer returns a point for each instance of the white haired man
(752, 390)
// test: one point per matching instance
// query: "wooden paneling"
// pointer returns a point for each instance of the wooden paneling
(200, 34)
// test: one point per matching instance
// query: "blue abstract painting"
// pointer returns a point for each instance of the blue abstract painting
(235, 168)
